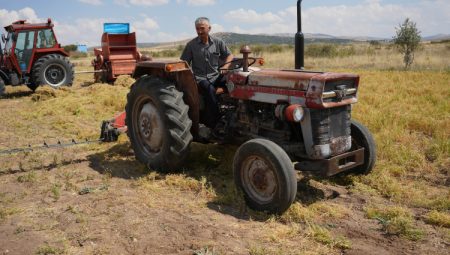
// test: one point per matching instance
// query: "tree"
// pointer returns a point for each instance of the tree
(407, 40)
(70, 47)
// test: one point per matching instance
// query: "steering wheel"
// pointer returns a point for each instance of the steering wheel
(239, 63)
(18, 52)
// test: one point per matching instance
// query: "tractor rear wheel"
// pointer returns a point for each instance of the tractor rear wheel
(361, 137)
(158, 124)
(2, 87)
(54, 70)
(265, 174)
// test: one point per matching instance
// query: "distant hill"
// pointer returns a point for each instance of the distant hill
(235, 38)
(283, 38)
(438, 37)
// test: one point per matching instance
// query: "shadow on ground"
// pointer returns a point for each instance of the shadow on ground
(118, 161)
(17, 94)
(210, 161)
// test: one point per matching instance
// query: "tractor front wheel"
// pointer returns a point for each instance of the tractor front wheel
(361, 137)
(158, 123)
(54, 70)
(265, 174)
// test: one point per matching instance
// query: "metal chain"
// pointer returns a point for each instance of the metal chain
(59, 144)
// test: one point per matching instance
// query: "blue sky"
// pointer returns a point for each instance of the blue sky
(80, 21)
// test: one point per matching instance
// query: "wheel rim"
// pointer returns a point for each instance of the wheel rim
(259, 179)
(55, 75)
(149, 127)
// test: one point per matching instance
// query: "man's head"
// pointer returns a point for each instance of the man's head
(202, 27)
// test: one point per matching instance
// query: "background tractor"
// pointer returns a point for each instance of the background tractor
(283, 120)
(32, 55)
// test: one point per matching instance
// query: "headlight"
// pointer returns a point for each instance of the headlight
(294, 113)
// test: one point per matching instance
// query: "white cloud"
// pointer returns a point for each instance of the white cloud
(27, 13)
(369, 18)
(252, 17)
(215, 28)
(200, 2)
(92, 2)
(148, 2)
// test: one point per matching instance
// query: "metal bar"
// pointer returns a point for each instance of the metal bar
(331, 94)
(97, 71)
(59, 144)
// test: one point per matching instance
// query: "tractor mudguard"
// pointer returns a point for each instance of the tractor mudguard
(180, 73)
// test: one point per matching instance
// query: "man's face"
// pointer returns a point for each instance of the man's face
(203, 29)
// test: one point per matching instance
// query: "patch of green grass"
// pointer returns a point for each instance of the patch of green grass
(323, 235)
(396, 220)
(5, 212)
(299, 213)
(55, 191)
(185, 183)
(29, 177)
(47, 250)
(441, 219)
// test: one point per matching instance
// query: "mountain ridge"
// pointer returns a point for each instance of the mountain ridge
(286, 38)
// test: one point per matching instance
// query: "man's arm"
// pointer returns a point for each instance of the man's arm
(187, 54)
(225, 51)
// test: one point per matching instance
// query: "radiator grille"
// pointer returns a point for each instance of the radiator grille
(330, 123)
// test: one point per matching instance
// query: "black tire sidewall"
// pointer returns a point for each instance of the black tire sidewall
(284, 172)
(2, 87)
(363, 138)
(164, 160)
(44, 62)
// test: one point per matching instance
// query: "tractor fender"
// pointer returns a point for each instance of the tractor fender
(180, 73)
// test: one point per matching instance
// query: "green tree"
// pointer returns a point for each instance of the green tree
(70, 47)
(407, 40)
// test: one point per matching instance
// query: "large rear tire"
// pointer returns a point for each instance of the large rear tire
(361, 137)
(54, 70)
(2, 87)
(158, 124)
(265, 174)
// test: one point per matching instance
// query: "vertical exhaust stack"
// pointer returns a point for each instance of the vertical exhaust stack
(299, 40)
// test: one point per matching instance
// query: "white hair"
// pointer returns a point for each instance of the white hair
(201, 20)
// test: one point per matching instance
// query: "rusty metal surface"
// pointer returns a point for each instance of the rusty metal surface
(281, 79)
(291, 86)
(269, 94)
(334, 165)
(187, 84)
(160, 68)
(117, 56)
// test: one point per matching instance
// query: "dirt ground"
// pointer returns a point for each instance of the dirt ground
(97, 199)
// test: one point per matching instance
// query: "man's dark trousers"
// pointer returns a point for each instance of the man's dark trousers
(210, 115)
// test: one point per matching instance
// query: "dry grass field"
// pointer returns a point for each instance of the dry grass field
(97, 199)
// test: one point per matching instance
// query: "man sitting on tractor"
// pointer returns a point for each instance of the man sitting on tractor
(203, 54)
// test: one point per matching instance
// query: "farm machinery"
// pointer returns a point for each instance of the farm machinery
(276, 116)
(33, 56)
(118, 55)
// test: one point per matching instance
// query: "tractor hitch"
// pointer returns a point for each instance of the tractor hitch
(111, 129)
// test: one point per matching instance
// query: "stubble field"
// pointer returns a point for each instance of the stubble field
(97, 199)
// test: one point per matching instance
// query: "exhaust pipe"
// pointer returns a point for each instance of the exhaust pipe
(299, 40)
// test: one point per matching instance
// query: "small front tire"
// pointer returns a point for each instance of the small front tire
(361, 137)
(266, 176)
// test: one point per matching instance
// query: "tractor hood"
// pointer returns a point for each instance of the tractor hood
(308, 88)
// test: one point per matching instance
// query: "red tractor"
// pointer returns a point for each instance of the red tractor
(32, 56)
(283, 120)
